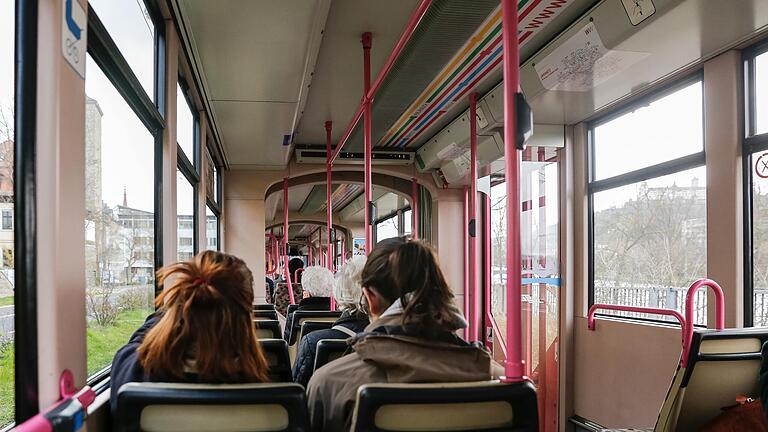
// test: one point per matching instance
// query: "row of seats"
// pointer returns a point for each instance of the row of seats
(488, 406)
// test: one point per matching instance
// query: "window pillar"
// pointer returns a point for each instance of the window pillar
(170, 254)
(723, 132)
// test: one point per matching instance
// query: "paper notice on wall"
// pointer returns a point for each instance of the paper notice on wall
(451, 151)
(583, 62)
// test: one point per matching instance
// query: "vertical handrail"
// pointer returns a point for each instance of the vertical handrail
(414, 208)
(297, 273)
(469, 331)
(328, 185)
(488, 267)
(513, 366)
(367, 131)
(689, 306)
(472, 225)
(286, 270)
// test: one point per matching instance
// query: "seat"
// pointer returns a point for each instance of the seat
(261, 315)
(260, 307)
(329, 350)
(267, 329)
(163, 407)
(282, 300)
(292, 308)
(276, 352)
(722, 364)
(310, 326)
(299, 318)
(470, 406)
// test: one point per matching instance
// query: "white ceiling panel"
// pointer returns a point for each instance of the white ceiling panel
(337, 85)
(253, 132)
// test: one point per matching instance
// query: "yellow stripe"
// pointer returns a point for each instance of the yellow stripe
(476, 39)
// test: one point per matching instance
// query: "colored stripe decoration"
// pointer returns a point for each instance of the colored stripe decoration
(476, 59)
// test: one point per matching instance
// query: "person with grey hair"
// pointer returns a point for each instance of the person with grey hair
(317, 284)
(347, 292)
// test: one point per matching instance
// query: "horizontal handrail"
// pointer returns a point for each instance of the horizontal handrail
(637, 309)
(689, 299)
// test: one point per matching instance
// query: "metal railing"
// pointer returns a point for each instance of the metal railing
(647, 296)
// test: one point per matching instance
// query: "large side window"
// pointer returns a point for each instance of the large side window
(187, 176)
(756, 176)
(387, 228)
(213, 206)
(122, 130)
(647, 199)
(7, 369)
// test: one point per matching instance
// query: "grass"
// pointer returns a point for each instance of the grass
(102, 343)
(6, 301)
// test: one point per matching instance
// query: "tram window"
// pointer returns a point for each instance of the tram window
(7, 403)
(387, 228)
(666, 128)
(185, 125)
(650, 242)
(756, 212)
(211, 229)
(119, 219)
(185, 217)
(7, 219)
(130, 25)
(761, 93)
(407, 214)
(212, 182)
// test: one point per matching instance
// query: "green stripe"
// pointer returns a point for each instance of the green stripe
(447, 81)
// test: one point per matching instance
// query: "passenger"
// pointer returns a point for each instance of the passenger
(318, 284)
(270, 286)
(347, 292)
(202, 330)
(411, 337)
(293, 265)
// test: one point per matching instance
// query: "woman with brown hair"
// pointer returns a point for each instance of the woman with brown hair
(411, 337)
(202, 330)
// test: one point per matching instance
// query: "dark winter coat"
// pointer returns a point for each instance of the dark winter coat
(305, 359)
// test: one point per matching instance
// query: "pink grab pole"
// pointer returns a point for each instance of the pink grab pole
(513, 366)
(328, 187)
(414, 208)
(472, 223)
(285, 241)
(367, 130)
(646, 310)
(689, 309)
(469, 332)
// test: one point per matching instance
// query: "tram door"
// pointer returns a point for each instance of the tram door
(540, 238)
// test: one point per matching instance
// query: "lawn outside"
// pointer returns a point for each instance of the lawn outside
(102, 343)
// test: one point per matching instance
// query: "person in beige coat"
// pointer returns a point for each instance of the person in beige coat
(411, 338)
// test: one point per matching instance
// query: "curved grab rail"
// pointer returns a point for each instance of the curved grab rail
(296, 274)
(656, 311)
(68, 414)
(689, 300)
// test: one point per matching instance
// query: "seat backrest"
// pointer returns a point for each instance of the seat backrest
(282, 300)
(276, 352)
(163, 407)
(301, 316)
(308, 327)
(267, 329)
(261, 315)
(472, 406)
(722, 365)
(292, 308)
(329, 350)
(259, 307)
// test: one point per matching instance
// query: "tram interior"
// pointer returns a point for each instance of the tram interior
(243, 127)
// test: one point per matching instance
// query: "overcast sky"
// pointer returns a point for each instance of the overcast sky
(6, 52)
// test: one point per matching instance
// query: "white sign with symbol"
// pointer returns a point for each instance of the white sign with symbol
(74, 31)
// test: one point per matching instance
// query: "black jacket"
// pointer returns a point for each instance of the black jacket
(309, 303)
(305, 358)
(125, 365)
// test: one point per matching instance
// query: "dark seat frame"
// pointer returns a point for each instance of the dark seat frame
(271, 325)
(133, 398)
(281, 371)
(307, 314)
(327, 348)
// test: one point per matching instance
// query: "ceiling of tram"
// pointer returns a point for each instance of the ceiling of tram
(275, 68)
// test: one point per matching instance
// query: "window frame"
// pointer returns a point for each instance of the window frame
(190, 169)
(668, 167)
(752, 143)
(103, 50)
